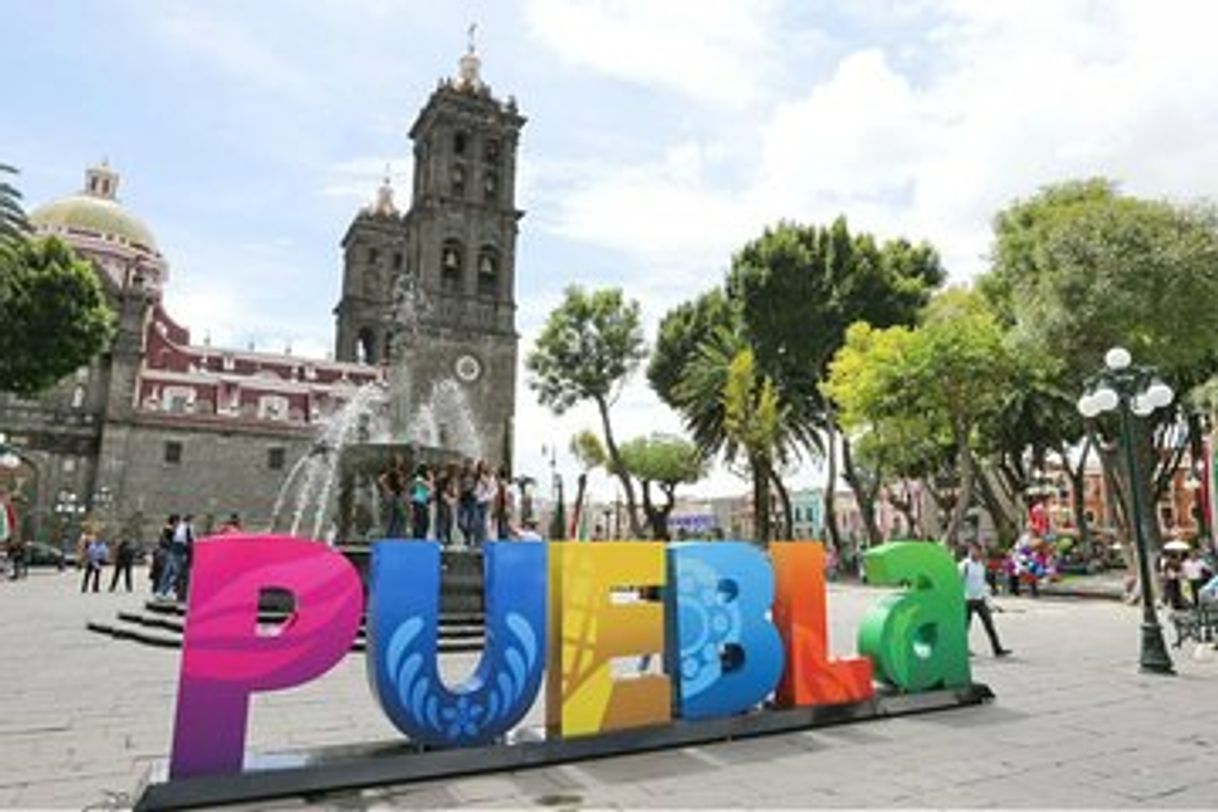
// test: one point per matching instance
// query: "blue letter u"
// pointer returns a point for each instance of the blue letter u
(402, 653)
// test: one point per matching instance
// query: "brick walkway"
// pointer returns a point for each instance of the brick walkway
(1075, 725)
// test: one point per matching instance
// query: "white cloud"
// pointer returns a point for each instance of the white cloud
(716, 51)
(1010, 98)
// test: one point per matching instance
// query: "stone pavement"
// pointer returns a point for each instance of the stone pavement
(1074, 725)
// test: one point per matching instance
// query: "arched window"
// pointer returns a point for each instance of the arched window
(460, 140)
(491, 150)
(458, 180)
(488, 270)
(451, 263)
(365, 346)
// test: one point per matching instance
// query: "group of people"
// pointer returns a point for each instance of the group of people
(169, 572)
(467, 498)
(1176, 572)
(93, 553)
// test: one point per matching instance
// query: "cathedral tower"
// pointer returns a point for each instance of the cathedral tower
(457, 242)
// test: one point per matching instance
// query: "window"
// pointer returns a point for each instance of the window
(69, 465)
(397, 260)
(173, 452)
(275, 458)
(460, 140)
(491, 151)
(78, 397)
(373, 256)
(490, 186)
(451, 263)
(488, 270)
(273, 407)
(365, 347)
(458, 181)
(178, 399)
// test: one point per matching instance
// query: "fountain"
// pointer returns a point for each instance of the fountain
(333, 491)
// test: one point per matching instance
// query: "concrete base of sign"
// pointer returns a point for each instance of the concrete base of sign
(286, 775)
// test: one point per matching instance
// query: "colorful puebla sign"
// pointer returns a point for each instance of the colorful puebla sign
(733, 626)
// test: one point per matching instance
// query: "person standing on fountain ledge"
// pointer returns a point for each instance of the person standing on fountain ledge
(503, 504)
(446, 504)
(484, 492)
(393, 485)
(421, 488)
(467, 502)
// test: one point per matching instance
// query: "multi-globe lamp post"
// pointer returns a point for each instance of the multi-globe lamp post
(1133, 391)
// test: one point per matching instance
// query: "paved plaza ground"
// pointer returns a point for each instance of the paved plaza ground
(1074, 725)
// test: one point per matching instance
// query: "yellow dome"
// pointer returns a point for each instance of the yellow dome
(103, 216)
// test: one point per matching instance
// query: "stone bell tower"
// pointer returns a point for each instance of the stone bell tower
(457, 241)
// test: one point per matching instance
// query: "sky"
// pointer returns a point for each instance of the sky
(662, 136)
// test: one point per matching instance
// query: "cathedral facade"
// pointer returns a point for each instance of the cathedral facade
(162, 423)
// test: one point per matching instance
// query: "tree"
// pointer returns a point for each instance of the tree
(683, 331)
(947, 375)
(666, 462)
(790, 295)
(753, 422)
(1080, 268)
(13, 225)
(588, 348)
(589, 453)
(798, 288)
(54, 313)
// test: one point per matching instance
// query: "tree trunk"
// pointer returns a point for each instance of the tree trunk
(1196, 445)
(657, 519)
(578, 510)
(964, 493)
(662, 513)
(905, 504)
(1078, 495)
(864, 497)
(1007, 528)
(831, 482)
(761, 498)
(619, 470)
(787, 531)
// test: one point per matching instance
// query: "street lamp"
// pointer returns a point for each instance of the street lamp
(1133, 391)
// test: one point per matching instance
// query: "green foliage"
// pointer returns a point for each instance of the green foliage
(589, 346)
(586, 447)
(753, 422)
(13, 225)
(930, 387)
(664, 461)
(667, 460)
(683, 331)
(54, 315)
(798, 288)
(1080, 268)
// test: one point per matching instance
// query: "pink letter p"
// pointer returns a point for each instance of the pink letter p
(225, 658)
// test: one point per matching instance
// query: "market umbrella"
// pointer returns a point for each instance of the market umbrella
(1177, 546)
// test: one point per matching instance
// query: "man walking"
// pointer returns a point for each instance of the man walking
(972, 573)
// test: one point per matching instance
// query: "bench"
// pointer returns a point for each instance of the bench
(1195, 624)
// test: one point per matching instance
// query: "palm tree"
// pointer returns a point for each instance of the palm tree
(13, 225)
(729, 407)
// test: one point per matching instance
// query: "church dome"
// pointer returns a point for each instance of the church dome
(95, 211)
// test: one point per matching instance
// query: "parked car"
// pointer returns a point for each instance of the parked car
(40, 554)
